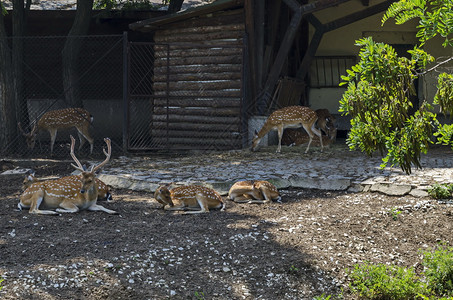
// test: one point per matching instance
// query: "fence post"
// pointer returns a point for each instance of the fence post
(125, 91)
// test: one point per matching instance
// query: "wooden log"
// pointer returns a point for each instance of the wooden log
(198, 69)
(197, 111)
(195, 51)
(201, 76)
(201, 60)
(197, 85)
(203, 29)
(218, 36)
(220, 135)
(233, 127)
(200, 94)
(188, 102)
(196, 119)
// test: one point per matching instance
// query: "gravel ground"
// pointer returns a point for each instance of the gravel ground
(297, 249)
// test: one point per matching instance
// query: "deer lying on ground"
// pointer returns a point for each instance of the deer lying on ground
(103, 189)
(192, 199)
(66, 118)
(68, 194)
(253, 191)
(289, 117)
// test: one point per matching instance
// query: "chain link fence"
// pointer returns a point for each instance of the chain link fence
(97, 78)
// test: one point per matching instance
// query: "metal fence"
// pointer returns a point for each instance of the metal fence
(99, 79)
(144, 96)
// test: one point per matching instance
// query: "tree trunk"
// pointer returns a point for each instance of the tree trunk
(175, 6)
(8, 126)
(71, 52)
(17, 57)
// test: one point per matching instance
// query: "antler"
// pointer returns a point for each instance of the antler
(107, 154)
(79, 165)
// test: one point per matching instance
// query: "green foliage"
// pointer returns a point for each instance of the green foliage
(3, 9)
(1, 286)
(377, 98)
(199, 295)
(440, 191)
(439, 270)
(435, 18)
(323, 297)
(385, 282)
(395, 212)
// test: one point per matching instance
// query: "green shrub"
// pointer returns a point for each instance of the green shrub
(439, 270)
(440, 191)
(1, 286)
(385, 282)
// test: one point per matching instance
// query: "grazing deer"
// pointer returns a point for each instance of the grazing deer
(196, 199)
(68, 194)
(253, 191)
(295, 137)
(65, 118)
(326, 122)
(289, 117)
(103, 189)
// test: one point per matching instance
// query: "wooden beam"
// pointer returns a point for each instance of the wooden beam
(299, 11)
(338, 23)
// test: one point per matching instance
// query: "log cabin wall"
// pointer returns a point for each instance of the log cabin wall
(196, 98)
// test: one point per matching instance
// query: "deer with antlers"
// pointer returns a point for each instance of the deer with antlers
(103, 189)
(65, 118)
(289, 117)
(67, 194)
(253, 191)
(192, 199)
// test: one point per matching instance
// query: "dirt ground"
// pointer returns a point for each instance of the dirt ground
(297, 249)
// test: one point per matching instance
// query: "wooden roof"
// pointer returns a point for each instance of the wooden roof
(154, 23)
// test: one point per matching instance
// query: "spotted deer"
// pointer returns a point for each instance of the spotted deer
(65, 118)
(192, 199)
(103, 189)
(325, 123)
(289, 117)
(253, 191)
(68, 194)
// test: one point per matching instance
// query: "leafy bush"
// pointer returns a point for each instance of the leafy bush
(385, 282)
(439, 270)
(440, 191)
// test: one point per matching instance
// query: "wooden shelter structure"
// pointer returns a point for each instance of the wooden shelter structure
(263, 44)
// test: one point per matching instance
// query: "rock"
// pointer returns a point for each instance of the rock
(391, 189)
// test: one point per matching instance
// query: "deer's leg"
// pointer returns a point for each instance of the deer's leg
(242, 198)
(81, 140)
(96, 207)
(36, 201)
(53, 137)
(318, 133)
(280, 135)
(203, 202)
(67, 207)
(84, 131)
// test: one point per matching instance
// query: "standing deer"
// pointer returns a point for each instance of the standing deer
(103, 189)
(253, 191)
(196, 199)
(67, 194)
(289, 117)
(325, 123)
(65, 118)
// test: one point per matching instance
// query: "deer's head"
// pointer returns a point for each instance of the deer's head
(30, 138)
